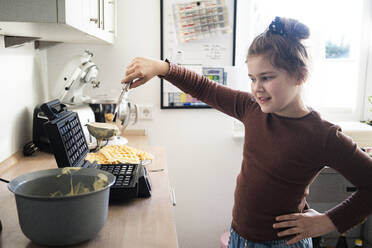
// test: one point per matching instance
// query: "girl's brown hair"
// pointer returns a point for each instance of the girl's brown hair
(281, 43)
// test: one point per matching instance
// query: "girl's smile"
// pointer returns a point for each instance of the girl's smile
(263, 100)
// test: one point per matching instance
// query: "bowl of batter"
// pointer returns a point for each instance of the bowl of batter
(63, 206)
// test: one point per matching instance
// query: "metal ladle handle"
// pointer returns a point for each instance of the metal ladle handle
(127, 86)
(124, 90)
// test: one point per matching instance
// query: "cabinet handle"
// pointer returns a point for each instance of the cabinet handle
(95, 20)
(173, 196)
(111, 2)
(112, 31)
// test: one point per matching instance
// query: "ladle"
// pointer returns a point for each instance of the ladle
(122, 116)
(102, 131)
(123, 110)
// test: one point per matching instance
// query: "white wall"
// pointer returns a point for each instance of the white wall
(203, 158)
(23, 73)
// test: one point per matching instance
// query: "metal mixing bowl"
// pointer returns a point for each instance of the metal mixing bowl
(101, 107)
(60, 220)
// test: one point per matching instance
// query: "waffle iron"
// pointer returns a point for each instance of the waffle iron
(70, 148)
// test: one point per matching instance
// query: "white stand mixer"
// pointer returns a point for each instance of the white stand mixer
(85, 74)
(72, 95)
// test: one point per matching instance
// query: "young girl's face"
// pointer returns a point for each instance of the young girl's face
(275, 90)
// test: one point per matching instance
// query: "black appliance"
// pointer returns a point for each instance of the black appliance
(40, 140)
(70, 148)
(39, 136)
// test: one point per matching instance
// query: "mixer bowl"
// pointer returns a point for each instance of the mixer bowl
(102, 108)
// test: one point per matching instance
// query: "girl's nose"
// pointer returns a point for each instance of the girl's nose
(257, 86)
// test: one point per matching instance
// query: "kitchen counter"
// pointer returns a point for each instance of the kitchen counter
(144, 222)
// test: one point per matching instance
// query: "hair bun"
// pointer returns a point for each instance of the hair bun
(295, 29)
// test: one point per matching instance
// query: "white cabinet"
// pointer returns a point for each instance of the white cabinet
(89, 21)
(109, 13)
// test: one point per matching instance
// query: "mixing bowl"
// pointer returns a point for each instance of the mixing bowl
(49, 215)
(102, 107)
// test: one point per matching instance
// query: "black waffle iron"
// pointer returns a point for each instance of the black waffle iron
(70, 149)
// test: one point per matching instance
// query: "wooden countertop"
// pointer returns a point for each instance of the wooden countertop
(145, 222)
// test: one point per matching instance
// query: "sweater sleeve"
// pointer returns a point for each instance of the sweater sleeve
(229, 101)
(356, 166)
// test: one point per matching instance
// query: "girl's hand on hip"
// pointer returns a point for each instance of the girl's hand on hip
(143, 69)
(304, 225)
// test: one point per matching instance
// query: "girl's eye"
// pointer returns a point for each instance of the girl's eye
(253, 80)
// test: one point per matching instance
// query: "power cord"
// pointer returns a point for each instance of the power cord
(29, 148)
(3, 180)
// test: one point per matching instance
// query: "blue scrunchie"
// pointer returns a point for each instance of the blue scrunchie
(277, 27)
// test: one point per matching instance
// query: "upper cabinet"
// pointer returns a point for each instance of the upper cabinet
(89, 21)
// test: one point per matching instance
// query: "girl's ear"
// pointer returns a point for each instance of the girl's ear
(302, 76)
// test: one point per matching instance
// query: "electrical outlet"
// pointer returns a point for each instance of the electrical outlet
(144, 112)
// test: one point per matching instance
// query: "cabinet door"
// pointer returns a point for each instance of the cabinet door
(43, 11)
(94, 15)
(101, 15)
(71, 12)
(110, 16)
(92, 7)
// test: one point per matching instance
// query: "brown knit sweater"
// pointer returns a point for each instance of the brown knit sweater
(281, 158)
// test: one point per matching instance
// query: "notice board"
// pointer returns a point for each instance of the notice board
(199, 35)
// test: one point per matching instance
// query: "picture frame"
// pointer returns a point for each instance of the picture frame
(199, 35)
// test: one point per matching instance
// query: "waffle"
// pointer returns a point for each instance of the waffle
(119, 154)
(98, 157)
(144, 155)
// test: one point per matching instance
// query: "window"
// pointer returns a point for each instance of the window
(336, 44)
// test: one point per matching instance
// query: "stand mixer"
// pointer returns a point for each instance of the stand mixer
(85, 74)
(103, 128)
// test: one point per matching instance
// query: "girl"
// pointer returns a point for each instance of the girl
(286, 143)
